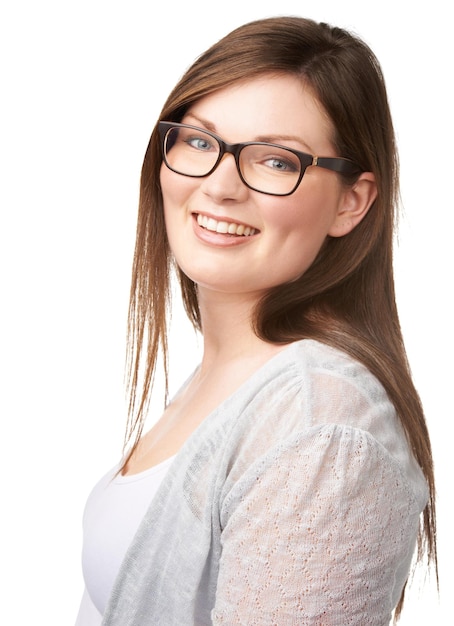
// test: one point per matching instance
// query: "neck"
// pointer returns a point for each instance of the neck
(228, 335)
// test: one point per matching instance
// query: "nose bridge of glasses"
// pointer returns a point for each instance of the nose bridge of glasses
(233, 149)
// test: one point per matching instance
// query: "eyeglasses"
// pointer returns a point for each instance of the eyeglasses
(264, 167)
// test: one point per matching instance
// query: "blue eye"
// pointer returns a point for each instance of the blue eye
(199, 143)
(281, 165)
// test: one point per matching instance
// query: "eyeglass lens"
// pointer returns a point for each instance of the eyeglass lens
(263, 167)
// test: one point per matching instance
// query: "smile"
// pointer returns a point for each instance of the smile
(227, 228)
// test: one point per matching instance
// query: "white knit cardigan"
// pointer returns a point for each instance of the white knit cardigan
(295, 502)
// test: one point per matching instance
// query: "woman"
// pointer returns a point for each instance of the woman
(284, 484)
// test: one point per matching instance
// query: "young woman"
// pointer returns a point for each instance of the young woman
(291, 478)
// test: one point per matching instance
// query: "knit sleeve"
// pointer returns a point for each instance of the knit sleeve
(316, 533)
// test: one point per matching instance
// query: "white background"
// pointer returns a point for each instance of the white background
(82, 84)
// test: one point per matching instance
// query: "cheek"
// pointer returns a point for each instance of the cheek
(315, 207)
(308, 219)
(176, 189)
(300, 228)
(172, 198)
(168, 189)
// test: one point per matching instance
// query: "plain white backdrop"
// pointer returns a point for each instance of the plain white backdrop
(82, 84)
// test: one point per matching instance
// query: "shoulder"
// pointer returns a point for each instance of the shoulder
(310, 357)
(310, 385)
(322, 384)
(318, 407)
(338, 384)
(310, 360)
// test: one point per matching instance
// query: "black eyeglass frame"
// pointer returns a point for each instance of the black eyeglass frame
(340, 165)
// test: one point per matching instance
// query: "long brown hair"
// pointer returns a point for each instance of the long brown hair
(346, 298)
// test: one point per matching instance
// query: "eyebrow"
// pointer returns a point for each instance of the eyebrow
(276, 139)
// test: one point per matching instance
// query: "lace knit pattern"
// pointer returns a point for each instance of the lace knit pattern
(296, 502)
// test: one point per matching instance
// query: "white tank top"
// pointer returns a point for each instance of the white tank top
(113, 512)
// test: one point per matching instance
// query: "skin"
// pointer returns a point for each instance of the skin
(233, 271)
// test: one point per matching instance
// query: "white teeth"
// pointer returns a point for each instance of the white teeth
(211, 224)
(224, 227)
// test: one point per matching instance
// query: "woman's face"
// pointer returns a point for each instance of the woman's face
(270, 240)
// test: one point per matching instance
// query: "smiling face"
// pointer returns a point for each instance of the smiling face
(227, 237)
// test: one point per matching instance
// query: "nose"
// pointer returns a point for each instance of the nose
(225, 182)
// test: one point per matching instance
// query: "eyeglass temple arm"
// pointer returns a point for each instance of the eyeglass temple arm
(336, 164)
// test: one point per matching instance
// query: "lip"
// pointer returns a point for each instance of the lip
(222, 238)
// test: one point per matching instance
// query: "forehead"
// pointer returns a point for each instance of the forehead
(274, 105)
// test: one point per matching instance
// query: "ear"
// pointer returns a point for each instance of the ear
(355, 203)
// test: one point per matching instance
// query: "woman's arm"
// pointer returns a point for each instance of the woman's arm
(319, 532)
